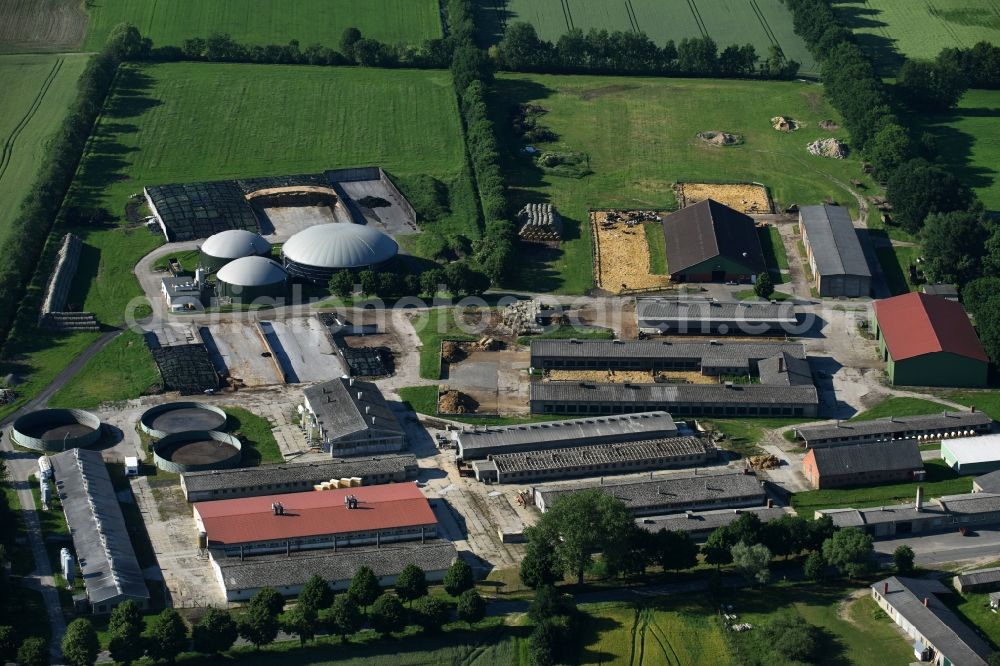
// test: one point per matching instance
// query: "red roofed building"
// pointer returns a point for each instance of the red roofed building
(369, 515)
(928, 341)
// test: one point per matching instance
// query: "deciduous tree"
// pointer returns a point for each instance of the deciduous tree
(364, 587)
(167, 636)
(387, 614)
(752, 561)
(850, 550)
(214, 632)
(411, 583)
(125, 627)
(471, 607)
(458, 578)
(79, 644)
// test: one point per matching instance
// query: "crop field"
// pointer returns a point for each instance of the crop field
(31, 26)
(262, 120)
(969, 143)
(267, 21)
(641, 138)
(37, 90)
(763, 23)
(919, 28)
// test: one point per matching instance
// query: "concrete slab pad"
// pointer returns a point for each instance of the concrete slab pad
(306, 351)
(239, 347)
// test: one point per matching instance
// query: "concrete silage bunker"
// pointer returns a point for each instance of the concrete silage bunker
(56, 430)
(174, 417)
(197, 451)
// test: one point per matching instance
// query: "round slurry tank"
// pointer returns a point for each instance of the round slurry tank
(174, 417)
(225, 246)
(249, 278)
(196, 451)
(56, 430)
(317, 252)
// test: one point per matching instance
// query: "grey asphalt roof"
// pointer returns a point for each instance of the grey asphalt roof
(944, 290)
(834, 241)
(709, 229)
(953, 639)
(970, 503)
(967, 504)
(751, 312)
(281, 570)
(100, 537)
(863, 458)
(667, 490)
(622, 427)
(742, 352)
(989, 483)
(890, 425)
(980, 576)
(647, 450)
(341, 412)
(308, 472)
(666, 394)
(785, 370)
(698, 521)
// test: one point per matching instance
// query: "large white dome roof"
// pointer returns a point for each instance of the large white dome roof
(235, 243)
(339, 245)
(252, 272)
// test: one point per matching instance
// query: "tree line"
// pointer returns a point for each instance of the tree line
(259, 622)
(620, 52)
(30, 229)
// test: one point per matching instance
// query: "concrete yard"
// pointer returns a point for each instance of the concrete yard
(239, 348)
(498, 381)
(287, 221)
(392, 219)
(304, 350)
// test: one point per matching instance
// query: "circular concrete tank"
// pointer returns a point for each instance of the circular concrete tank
(173, 417)
(197, 450)
(56, 430)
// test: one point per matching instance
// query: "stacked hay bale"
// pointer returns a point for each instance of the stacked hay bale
(540, 222)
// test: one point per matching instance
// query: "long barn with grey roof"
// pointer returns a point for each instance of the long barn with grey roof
(295, 477)
(710, 317)
(479, 443)
(241, 578)
(700, 524)
(350, 417)
(980, 580)
(834, 252)
(942, 514)
(572, 398)
(712, 357)
(595, 460)
(892, 428)
(111, 571)
(668, 494)
(940, 636)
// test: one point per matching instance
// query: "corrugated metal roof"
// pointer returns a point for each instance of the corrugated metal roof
(971, 450)
(100, 537)
(699, 521)
(785, 370)
(917, 324)
(894, 424)
(947, 633)
(863, 458)
(709, 229)
(980, 576)
(251, 519)
(989, 483)
(604, 454)
(622, 427)
(671, 394)
(742, 352)
(282, 570)
(834, 241)
(308, 472)
(667, 490)
(651, 310)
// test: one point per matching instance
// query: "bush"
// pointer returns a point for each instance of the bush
(471, 607)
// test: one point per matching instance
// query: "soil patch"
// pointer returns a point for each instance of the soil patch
(832, 148)
(456, 402)
(784, 124)
(720, 138)
(621, 257)
(744, 197)
(829, 125)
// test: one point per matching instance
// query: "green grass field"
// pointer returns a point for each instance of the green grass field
(657, 248)
(267, 21)
(895, 262)
(672, 633)
(263, 120)
(985, 401)
(122, 370)
(901, 407)
(974, 608)
(37, 91)
(968, 141)
(257, 431)
(762, 23)
(640, 136)
(890, 29)
(941, 480)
